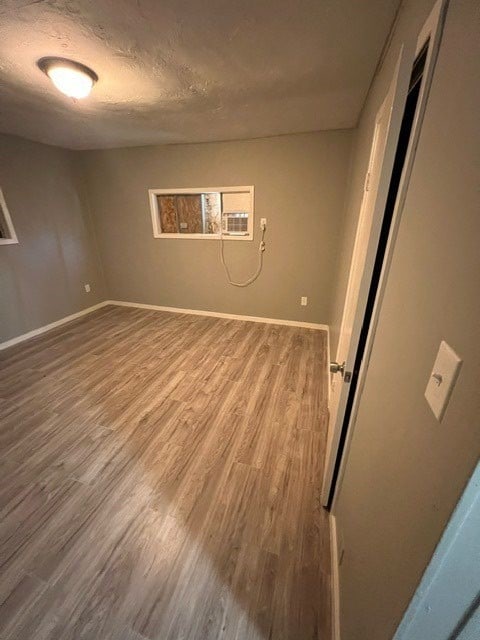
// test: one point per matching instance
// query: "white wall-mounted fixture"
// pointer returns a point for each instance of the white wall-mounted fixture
(442, 379)
(7, 231)
(72, 78)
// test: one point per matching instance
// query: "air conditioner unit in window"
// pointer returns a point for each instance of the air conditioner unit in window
(235, 223)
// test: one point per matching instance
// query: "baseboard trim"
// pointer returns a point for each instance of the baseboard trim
(217, 314)
(52, 325)
(154, 307)
(335, 585)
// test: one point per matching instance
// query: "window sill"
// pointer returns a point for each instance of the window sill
(199, 236)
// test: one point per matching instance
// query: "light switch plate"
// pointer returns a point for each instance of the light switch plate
(442, 379)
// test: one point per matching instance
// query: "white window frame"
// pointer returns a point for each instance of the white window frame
(157, 230)
(4, 212)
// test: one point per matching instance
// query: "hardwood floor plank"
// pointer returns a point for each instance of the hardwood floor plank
(161, 480)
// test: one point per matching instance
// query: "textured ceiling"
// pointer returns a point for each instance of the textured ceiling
(189, 70)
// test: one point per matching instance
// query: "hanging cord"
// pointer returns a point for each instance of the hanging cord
(261, 249)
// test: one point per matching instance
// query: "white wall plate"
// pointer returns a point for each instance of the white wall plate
(442, 379)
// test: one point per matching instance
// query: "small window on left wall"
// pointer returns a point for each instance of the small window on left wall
(7, 231)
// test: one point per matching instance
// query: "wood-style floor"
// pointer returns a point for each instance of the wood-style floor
(161, 479)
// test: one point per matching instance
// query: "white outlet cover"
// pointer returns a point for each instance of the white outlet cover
(442, 379)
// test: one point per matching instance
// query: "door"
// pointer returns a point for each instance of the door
(382, 154)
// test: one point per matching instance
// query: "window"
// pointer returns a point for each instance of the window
(202, 213)
(7, 232)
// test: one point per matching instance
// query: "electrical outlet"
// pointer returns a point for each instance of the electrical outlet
(87, 287)
(304, 301)
(263, 223)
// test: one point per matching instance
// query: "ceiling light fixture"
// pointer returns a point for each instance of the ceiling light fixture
(73, 79)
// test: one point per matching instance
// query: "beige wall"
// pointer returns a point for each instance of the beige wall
(42, 277)
(299, 187)
(405, 471)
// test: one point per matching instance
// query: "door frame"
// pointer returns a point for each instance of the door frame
(455, 563)
(431, 31)
(383, 159)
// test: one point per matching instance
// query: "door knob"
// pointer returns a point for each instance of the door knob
(337, 368)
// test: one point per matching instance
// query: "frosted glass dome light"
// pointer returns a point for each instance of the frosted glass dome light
(73, 79)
